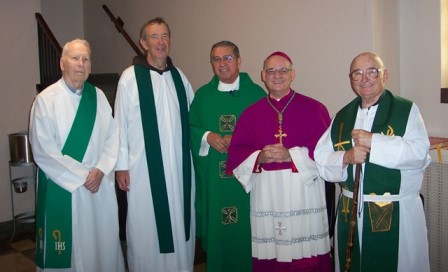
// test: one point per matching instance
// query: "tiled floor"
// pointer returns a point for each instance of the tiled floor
(18, 255)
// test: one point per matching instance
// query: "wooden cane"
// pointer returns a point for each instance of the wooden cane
(353, 219)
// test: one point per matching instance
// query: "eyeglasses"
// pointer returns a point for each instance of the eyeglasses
(371, 73)
(273, 71)
(226, 59)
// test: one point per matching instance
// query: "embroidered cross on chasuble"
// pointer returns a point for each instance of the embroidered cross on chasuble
(227, 123)
(229, 215)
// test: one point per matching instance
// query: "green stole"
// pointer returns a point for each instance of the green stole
(154, 155)
(54, 204)
(380, 236)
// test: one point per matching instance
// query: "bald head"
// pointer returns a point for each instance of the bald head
(374, 57)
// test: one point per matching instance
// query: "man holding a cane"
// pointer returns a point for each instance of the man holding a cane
(385, 135)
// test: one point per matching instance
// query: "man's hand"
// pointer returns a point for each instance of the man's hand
(93, 180)
(357, 154)
(274, 153)
(221, 144)
(123, 179)
(362, 137)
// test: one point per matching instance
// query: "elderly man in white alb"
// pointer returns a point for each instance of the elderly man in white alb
(385, 136)
(74, 140)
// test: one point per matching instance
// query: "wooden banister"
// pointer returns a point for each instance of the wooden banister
(43, 25)
(49, 54)
(119, 25)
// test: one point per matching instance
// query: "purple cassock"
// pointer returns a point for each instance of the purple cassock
(289, 227)
(304, 121)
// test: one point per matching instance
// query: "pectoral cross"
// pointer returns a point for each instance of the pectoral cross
(280, 134)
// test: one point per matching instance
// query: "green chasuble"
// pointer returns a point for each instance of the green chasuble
(154, 155)
(54, 204)
(381, 223)
(222, 205)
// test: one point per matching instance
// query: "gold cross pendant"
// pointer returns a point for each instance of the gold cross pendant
(280, 135)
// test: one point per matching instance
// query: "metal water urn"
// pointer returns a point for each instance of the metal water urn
(20, 154)
(19, 148)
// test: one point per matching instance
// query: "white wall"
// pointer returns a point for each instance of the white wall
(318, 35)
(65, 18)
(19, 74)
(444, 38)
(386, 39)
(420, 63)
(18, 77)
(321, 36)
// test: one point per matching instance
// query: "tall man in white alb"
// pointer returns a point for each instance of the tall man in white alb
(154, 164)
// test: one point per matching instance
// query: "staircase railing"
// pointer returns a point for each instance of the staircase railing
(50, 50)
(119, 25)
(49, 55)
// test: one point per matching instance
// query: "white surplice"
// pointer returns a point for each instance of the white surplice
(288, 210)
(143, 246)
(96, 243)
(407, 154)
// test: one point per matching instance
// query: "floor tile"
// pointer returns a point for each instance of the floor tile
(16, 262)
(23, 245)
(19, 255)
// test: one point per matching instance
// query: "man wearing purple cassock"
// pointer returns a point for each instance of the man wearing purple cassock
(271, 154)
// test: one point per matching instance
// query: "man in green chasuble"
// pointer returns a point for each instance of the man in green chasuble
(385, 136)
(222, 205)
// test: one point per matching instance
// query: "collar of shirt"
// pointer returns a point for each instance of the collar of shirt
(375, 104)
(224, 87)
(142, 61)
(73, 89)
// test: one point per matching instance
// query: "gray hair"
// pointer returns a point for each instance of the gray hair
(235, 49)
(155, 21)
(84, 42)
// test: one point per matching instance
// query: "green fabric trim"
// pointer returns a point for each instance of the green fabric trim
(54, 221)
(186, 159)
(380, 246)
(154, 156)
